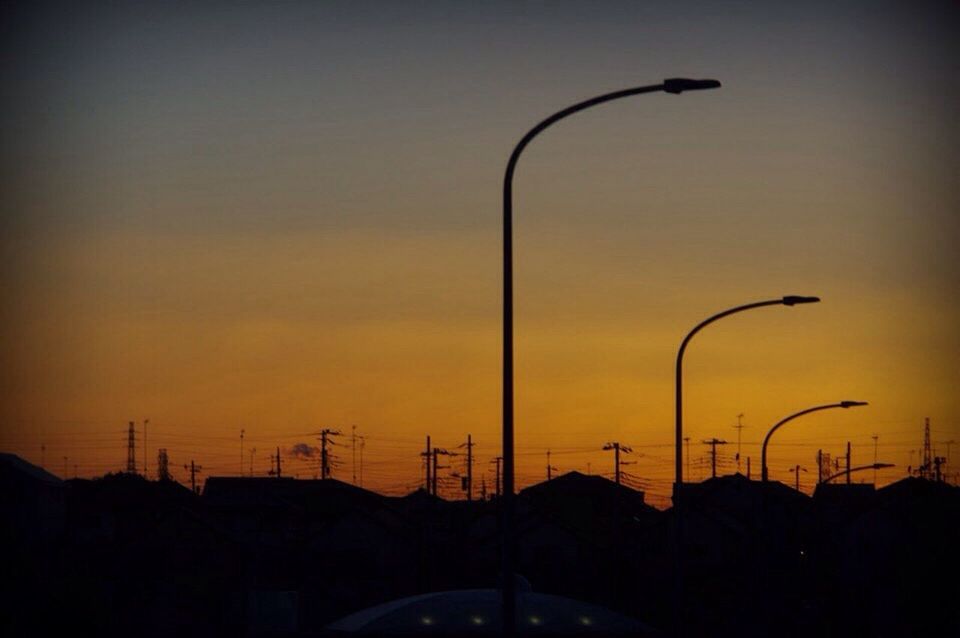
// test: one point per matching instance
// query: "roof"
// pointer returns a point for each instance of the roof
(15, 464)
(476, 612)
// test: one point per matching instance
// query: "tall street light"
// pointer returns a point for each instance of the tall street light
(848, 472)
(766, 439)
(789, 300)
(673, 85)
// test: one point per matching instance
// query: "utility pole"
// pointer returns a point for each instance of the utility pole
(363, 443)
(550, 468)
(616, 447)
(145, 422)
(437, 451)
(65, 470)
(748, 468)
(713, 443)
(193, 469)
(739, 427)
(131, 450)
(498, 460)
(325, 435)
(253, 452)
(469, 468)
(241, 451)
(848, 463)
(275, 471)
(796, 470)
(875, 437)
(925, 469)
(163, 467)
(819, 466)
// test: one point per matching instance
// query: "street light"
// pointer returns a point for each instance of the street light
(766, 439)
(872, 466)
(671, 85)
(788, 300)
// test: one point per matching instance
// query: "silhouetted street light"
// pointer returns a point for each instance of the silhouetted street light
(872, 466)
(789, 300)
(766, 439)
(672, 85)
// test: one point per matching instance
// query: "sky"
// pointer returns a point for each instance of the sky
(282, 217)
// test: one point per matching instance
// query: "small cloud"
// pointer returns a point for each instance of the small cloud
(304, 451)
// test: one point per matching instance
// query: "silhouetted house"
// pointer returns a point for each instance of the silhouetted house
(360, 558)
(594, 505)
(121, 506)
(895, 559)
(31, 503)
(31, 533)
(145, 559)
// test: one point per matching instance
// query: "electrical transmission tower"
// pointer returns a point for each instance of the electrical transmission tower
(163, 467)
(194, 469)
(926, 469)
(713, 443)
(325, 457)
(617, 448)
(131, 450)
(427, 457)
(145, 422)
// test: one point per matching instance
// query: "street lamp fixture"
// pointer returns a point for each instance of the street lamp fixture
(766, 439)
(671, 85)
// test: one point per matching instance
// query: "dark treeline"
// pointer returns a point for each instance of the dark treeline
(282, 557)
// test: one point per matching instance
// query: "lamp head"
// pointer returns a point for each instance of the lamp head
(852, 404)
(679, 85)
(792, 300)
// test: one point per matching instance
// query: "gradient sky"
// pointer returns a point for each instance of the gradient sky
(286, 216)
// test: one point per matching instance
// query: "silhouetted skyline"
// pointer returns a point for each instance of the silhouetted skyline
(287, 218)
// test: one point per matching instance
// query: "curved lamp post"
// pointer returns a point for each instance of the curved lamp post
(789, 300)
(872, 466)
(766, 439)
(673, 85)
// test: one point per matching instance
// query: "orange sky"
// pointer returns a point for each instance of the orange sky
(288, 228)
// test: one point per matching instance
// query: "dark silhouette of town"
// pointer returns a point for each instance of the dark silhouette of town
(123, 555)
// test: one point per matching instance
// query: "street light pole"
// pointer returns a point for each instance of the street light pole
(789, 300)
(766, 439)
(849, 471)
(673, 85)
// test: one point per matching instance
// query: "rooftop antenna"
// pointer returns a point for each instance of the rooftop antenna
(739, 427)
